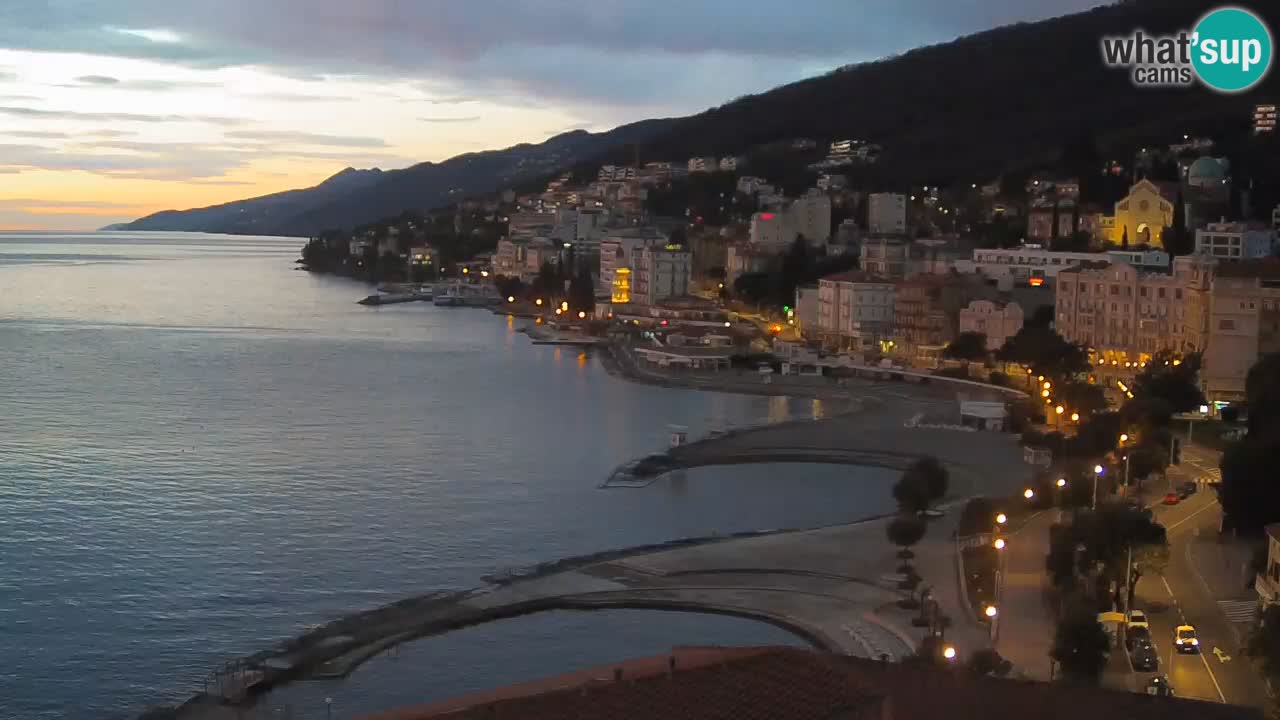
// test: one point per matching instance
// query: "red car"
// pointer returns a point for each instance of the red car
(1171, 499)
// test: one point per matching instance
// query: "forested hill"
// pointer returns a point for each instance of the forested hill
(961, 111)
(1006, 97)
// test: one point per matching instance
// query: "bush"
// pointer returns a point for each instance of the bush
(977, 516)
(999, 378)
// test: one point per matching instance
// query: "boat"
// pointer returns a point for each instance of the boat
(394, 298)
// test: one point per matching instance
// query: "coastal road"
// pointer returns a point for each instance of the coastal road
(1202, 582)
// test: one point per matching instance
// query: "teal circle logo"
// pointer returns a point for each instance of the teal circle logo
(1231, 49)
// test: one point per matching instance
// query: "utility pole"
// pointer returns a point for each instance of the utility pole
(1128, 578)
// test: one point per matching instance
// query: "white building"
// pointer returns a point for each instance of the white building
(729, 163)
(1235, 241)
(750, 184)
(810, 216)
(1146, 260)
(806, 307)
(997, 322)
(1035, 265)
(618, 249)
(855, 310)
(771, 230)
(703, 164)
(660, 272)
(887, 213)
(742, 259)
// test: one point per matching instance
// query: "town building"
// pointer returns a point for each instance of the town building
(1243, 325)
(1122, 314)
(1235, 241)
(1035, 266)
(926, 313)
(1141, 216)
(745, 258)
(884, 256)
(997, 321)
(1051, 218)
(659, 273)
(729, 163)
(1264, 118)
(750, 184)
(771, 230)
(703, 164)
(855, 310)
(806, 307)
(618, 249)
(810, 216)
(886, 213)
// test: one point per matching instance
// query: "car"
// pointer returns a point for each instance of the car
(1143, 657)
(1137, 635)
(1171, 499)
(1185, 640)
(1159, 685)
(1137, 618)
(1187, 489)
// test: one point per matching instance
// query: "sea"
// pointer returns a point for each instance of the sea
(205, 450)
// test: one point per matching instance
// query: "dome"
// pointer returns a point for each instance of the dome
(1206, 172)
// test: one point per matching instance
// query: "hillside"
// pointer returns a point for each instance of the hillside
(354, 197)
(960, 111)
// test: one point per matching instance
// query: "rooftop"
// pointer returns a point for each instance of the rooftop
(1264, 268)
(784, 683)
(854, 276)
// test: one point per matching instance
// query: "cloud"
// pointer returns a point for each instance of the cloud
(36, 134)
(9, 203)
(467, 119)
(153, 85)
(498, 44)
(38, 113)
(305, 138)
(301, 97)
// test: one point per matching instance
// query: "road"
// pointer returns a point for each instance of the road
(1026, 623)
(1203, 571)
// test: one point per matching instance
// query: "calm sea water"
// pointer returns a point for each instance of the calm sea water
(203, 450)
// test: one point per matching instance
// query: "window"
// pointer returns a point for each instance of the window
(1160, 293)
(1115, 289)
(1226, 324)
(1177, 293)
(1142, 292)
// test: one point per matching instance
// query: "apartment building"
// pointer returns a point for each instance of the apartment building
(855, 310)
(886, 213)
(618, 249)
(997, 321)
(1243, 323)
(1123, 314)
(660, 272)
(1235, 241)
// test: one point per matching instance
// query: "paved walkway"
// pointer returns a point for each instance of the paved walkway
(1027, 623)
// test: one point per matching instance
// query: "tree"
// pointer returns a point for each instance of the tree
(930, 474)
(986, 661)
(1264, 642)
(912, 492)
(1124, 238)
(905, 531)
(1262, 390)
(1081, 397)
(968, 346)
(1045, 352)
(1148, 559)
(582, 293)
(1173, 380)
(1080, 645)
(1249, 495)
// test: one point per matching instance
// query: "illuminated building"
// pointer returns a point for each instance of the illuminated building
(621, 286)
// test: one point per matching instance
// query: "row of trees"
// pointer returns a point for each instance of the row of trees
(800, 264)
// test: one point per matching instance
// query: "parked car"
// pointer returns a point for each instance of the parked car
(1171, 499)
(1135, 636)
(1185, 640)
(1159, 685)
(1143, 657)
(1137, 618)
(1187, 489)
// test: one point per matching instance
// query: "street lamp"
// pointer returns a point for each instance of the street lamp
(999, 544)
(1028, 493)
(1048, 385)
(1124, 438)
(991, 611)
(1001, 518)
(1062, 482)
(1044, 393)
(538, 302)
(511, 298)
(1097, 472)
(1075, 417)
(1059, 410)
(582, 314)
(949, 652)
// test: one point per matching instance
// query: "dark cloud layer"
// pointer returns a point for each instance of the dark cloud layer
(617, 51)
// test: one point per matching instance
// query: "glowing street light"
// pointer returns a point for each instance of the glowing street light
(1097, 470)
(538, 302)
(1028, 493)
(1001, 518)
(564, 306)
(582, 314)
(949, 652)
(991, 611)
(484, 273)
(1062, 482)
(1044, 393)
(1059, 410)
(999, 543)
(1075, 417)
(1048, 385)
(511, 298)
(1124, 438)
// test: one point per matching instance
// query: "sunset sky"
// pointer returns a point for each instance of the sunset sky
(113, 109)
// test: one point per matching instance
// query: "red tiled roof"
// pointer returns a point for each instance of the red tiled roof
(790, 683)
